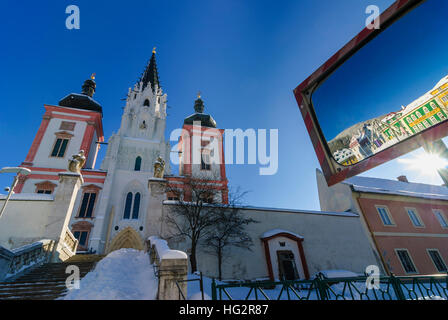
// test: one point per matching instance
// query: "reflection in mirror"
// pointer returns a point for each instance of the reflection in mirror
(392, 89)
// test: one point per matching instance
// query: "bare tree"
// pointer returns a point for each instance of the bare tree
(194, 213)
(228, 230)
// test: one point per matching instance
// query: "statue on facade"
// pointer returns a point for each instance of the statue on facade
(77, 161)
(159, 168)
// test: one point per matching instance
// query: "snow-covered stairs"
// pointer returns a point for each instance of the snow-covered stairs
(46, 282)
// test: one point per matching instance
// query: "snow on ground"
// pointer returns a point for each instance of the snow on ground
(125, 274)
(338, 273)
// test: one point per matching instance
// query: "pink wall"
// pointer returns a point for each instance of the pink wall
(416, 245)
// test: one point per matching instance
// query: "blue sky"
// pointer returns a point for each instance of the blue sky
(245, 57)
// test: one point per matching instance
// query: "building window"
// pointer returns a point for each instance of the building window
(437, 259)
(415, 218)
(59, 148)
(81, 231)
(138, 164)
(146, 103)
(172, 196)
(385, 216)
(127, 207)
(45, 187)
(205, 160)
(406, 261)
(136, 207)
(87, 205)
(44, 191)
(441, 217)
(132, 202)
(82, 237)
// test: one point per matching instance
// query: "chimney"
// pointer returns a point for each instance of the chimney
(402, 179)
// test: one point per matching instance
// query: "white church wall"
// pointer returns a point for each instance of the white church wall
(33, 209)
(331, 241)
(32, 217)
(43, 157)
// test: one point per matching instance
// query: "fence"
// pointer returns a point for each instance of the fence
(320, 288)
(201, 287)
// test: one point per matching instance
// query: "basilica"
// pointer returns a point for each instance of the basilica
(120, 202)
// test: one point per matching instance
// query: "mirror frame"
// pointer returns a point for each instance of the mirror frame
(332, 170)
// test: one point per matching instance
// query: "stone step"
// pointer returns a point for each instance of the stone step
(38, 295)
(46, 282)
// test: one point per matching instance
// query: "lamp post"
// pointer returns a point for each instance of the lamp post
(17, 170)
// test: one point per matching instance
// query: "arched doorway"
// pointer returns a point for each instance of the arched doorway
(127, 238)
(285, 256)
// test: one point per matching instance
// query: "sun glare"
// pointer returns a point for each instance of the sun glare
(425, 163)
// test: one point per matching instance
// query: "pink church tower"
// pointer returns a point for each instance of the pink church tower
(74, 124)
(201, 152)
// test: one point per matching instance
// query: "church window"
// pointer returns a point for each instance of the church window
(205, 160)
(136, 207)
(146, 103)
(418, 114)
(59, 148)
(207, 197)
(44, 191)
(82, 237)
(87, 205)
(45, 187)
(81, 231)
(425, 110)
(172, 196)
(138, 163)
(127, 207)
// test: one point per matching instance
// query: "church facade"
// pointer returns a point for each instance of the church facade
(122, 203)
(112, 208)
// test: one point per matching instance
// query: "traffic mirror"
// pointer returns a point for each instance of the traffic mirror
(384, 94)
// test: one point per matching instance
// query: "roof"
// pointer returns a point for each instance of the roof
(206, 120)
(395, 187)
(151, 75)
(343, 214)
(80, 101)
(274, 232)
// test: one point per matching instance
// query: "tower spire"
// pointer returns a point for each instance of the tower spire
(151, 74)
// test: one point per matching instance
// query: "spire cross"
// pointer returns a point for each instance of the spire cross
(199, 94)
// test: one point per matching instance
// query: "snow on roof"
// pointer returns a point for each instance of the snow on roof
(273, 232)
(386, 186)
(345, 214)
(29, 197)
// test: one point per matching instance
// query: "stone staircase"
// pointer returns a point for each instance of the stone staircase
(46, 282)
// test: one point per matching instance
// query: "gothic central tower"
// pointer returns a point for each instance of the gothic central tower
(129, 161)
